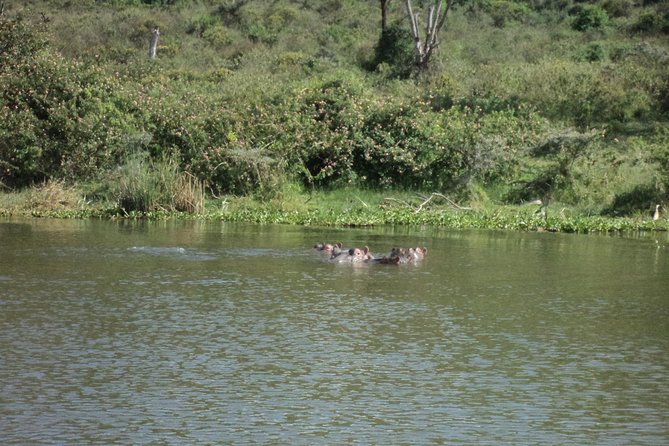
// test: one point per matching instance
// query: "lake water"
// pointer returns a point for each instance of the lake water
(118, 332)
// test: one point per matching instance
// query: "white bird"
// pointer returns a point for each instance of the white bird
(542, 209)
(656, 214)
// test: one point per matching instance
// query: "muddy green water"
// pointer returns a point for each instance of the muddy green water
(212, 333)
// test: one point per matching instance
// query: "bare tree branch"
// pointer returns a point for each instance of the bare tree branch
(436, 17)
(426, 200)
(153, 44)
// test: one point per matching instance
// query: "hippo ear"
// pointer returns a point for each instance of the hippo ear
(338, 245)
(365, 250)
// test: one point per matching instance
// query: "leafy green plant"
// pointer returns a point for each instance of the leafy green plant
(248, 96)
(594, 52)
(62, 119)
(503, 12)
(652, 23)
(590, 17)
(551, 176)
(395, 49)
(201, 24)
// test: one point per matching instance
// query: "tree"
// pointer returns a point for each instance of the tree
(436, 16)
(395, 51)
(384, 14)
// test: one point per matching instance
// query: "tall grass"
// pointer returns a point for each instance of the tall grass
(52, 196)
(146, 186)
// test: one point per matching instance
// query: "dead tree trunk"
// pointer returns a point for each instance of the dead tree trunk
(436, 16)
(384, 14)
(153, 45)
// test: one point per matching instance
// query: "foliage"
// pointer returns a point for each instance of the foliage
(617, 8)
(58, 118)
(652, 23)
(590, 17)
(504, 12)
(358, 207)
(247, 97)
(395, 50)
(19, 43)
(552, 176)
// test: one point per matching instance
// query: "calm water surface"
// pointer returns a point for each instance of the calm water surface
(214, 333)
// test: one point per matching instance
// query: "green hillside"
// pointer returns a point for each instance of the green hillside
(557, 100)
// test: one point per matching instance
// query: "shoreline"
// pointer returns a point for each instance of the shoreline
(516, 218)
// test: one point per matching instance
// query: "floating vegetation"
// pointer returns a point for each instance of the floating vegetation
(343, 211)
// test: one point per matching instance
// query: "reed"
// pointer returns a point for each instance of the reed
(147, 186)
(188, 194)
(53, 195)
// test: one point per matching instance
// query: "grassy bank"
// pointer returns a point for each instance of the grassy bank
(343, 207)
(247, 98)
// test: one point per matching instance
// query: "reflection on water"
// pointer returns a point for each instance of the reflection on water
(198, 333)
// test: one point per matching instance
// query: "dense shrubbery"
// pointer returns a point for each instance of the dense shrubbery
(394, 51)
(590, 17)
(246, 97)
(58, 118)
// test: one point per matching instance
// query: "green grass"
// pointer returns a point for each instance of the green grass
(357, 208)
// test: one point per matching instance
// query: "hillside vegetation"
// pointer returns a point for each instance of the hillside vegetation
(557, 100)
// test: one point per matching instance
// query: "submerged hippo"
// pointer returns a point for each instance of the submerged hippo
(403, 255)
(327, 248)
(353, 255)
(408, 255)
(397, 256)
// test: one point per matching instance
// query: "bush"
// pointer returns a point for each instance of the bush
(201, 24)
(550, 174)
(595, 52)
(588, 94)
(652, 23)
(393, 144)
(590, 17)
(639, 199)
(220, 36)
(330, 117)
(395, 49)
(503, 12)
(19, 41)
(59, 119)
(618, 8)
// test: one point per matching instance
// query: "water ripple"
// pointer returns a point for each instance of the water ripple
(270, 345)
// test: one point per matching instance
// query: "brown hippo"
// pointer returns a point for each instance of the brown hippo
(363, 255)
(353, 255)
(327, 248)
(408, 255)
